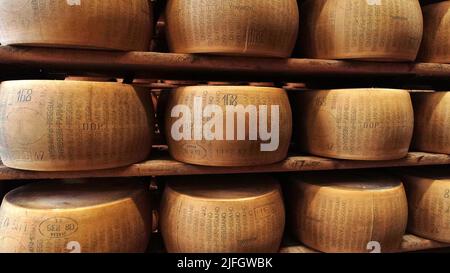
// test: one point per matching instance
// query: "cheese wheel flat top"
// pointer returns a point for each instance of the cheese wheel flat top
(432, 122)
(248, 140)
(378, 30)
(72, 194)
(344, 211)
(224, 188)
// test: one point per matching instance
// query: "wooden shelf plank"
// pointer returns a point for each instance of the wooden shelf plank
(162, 165)
(410, 243)
(185, 66)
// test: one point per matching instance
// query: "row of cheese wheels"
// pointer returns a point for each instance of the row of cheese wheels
(69, 125)
(384, 30)
(330, 212)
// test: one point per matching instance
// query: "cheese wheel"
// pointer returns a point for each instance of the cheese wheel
(222, 214)
(356, 124)
(69, 125)
(432, 122)
(228, 125)
(381, 30)
(94, 24)
(247, 28)
(80, 216)
(344, 211)
(436, 38)
(428, 192)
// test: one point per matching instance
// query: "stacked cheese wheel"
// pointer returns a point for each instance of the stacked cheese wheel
(347, 212)
(97, 24)
(361, 29)
(436, 38)
(432, 122)
(76, 216)
(228, 125)
(251, 28)
(356, 124)
(429, 202)
(222, 214)
(66, 125)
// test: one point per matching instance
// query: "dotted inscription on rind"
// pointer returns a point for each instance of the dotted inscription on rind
(58, 227)
(195, 151)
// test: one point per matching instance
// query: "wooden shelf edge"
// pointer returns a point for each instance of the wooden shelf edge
(188, 66)
(164, 166)
(410, 243)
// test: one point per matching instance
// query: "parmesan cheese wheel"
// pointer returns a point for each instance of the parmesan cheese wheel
(356, 124)
(381, 30)
(432, 122)
(2, 191)
(294, 86)
(428, 192)
(76, 216)
(69, 125)
(248, 28)
(222, 214)
(228, 125)
(95, 24)
(344, 211)
(436, 38)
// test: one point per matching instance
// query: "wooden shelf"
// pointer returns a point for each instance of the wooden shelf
(22, 60)
(163, 165)
(410, 243)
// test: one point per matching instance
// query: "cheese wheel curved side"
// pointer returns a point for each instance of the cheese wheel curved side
(247, 28)
(93, 24)
(91, 217)
(355, 124)
(67, 126)
(431, 122)
(230, 214)
(361, 29)
(436, 39)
